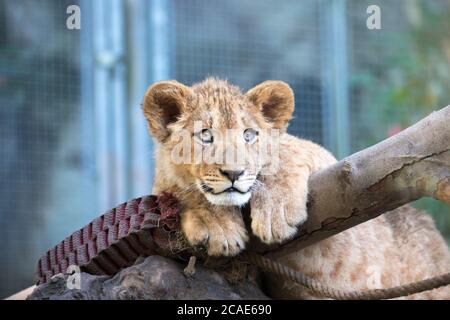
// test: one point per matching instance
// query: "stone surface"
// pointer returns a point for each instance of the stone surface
(155, 277)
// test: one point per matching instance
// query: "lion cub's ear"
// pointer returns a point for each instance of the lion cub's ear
(163, 103)
(275, 100)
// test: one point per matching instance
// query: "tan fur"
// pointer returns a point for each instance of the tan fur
(393, 249)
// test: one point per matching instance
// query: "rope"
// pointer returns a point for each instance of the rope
(325, 291)
(143, 226)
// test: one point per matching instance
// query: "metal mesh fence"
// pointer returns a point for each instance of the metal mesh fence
(247, 43)
(44, 184)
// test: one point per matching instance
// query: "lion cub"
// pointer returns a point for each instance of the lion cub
(219, 148)
(201, 130)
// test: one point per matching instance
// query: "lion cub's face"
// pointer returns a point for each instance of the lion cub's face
(221, 137)
(230, 160)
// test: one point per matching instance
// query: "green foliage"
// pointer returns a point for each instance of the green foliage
(413, 82)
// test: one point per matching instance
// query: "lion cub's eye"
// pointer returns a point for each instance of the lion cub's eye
(250, 135)
(205, 136)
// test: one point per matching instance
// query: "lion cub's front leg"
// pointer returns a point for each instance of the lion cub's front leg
(279, 205)
(221, 229)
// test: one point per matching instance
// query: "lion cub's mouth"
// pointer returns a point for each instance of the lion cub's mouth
(231, 196)
(208, 189)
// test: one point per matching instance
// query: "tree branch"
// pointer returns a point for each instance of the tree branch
(410, 165)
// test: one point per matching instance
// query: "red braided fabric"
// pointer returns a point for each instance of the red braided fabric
(141, 226)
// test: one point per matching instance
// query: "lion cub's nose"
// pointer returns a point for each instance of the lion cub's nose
(232, 175)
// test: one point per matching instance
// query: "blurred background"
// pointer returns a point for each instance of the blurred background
(74, 142)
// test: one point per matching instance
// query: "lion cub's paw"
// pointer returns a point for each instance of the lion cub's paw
(277, 221)
(222, 234)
